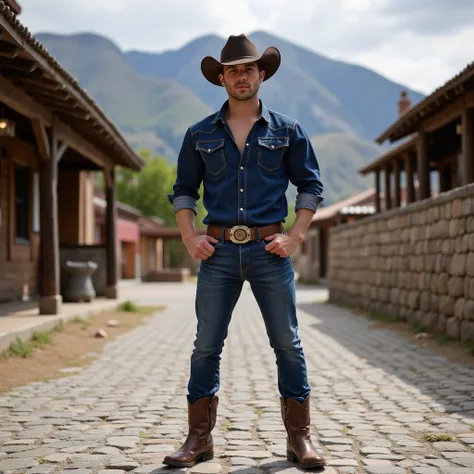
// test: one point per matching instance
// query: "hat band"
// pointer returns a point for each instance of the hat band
(238, 58)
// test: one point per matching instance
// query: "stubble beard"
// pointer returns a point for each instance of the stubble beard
(249, 93)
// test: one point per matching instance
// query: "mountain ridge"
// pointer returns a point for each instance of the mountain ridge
(155, 97)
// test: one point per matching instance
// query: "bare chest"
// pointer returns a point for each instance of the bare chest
(240, 132)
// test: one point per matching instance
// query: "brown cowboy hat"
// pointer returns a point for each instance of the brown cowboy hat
(240, 50)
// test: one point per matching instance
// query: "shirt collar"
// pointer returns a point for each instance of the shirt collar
(220, 115)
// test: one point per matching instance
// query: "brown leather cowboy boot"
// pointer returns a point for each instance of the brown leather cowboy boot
(198, 445)
(299, 448)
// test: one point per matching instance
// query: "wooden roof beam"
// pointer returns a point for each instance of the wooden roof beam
(450, 113)
(71, 112)
(20, 64)
(21, 102)
(9, 50)
(42, 139)
(41, 89)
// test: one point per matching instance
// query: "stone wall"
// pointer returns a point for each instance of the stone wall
(415, 263)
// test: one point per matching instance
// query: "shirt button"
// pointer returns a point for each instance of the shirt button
(246, 144)
(273, 146)
(241, 190)
(241, 209)
(241, 167)
(209, 150)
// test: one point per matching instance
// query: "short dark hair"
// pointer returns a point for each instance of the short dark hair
(259, 66)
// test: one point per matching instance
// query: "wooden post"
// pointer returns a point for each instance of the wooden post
(398, 193)
(423, 166)
(50, 298)
(111, 235)
(377, 191)
(388, 190)
(409, 178)
(467, 155)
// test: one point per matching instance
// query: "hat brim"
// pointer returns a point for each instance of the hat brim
(270, 61)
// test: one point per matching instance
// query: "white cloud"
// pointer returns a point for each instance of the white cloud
(420, 43)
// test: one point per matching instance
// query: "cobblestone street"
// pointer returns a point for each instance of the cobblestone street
(376, 397)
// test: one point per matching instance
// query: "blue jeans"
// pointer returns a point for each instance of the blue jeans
(220, 281)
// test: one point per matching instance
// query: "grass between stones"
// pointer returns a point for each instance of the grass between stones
(69, 345)
(434, 437)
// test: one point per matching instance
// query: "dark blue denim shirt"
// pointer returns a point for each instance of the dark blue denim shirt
(248, 189)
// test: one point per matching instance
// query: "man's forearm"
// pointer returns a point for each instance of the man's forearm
(301, 224)
(185, 219)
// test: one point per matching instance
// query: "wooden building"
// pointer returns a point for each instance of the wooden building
(52, 138)
(151, 246)
(434, 143)
(127, 234)
(312, 262)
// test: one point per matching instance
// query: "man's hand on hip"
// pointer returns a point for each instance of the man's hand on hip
(281, 244)
(199, 246)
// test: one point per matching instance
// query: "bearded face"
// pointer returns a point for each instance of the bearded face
(242, 81)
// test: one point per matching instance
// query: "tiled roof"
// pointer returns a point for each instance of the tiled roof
(395, 152)
(99, 127)
(452, 89)
(150, 225)
(331, 211)
(13, 4)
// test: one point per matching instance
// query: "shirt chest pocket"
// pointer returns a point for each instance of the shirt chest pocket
(212, 153)
(271, 151)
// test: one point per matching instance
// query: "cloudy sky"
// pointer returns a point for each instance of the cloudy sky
(419, 43)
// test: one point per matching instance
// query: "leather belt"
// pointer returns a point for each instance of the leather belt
(241, 234)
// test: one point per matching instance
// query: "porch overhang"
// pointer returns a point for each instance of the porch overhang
(459, 88)
(34, 84)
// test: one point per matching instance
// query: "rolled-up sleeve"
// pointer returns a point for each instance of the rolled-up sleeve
(304, 172)
(189, 177)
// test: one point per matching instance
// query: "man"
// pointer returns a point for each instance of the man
(245, 155)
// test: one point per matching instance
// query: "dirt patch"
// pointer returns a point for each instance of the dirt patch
(69, 347)
(452, 350)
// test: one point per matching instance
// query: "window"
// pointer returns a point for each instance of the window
(22, 203)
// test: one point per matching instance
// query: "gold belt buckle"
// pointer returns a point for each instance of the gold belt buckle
(239, 234)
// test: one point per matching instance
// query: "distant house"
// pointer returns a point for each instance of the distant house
(127, 234)
(434, 142)
(53, 137)
(312, 262)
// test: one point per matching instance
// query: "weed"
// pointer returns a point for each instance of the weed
(128, 306)
(417, 328)
(376, 316)
(40, 338)
(433, 437)
(443, 340)
(58, 327)
(225, 424)
(469, 346)
(20, 348)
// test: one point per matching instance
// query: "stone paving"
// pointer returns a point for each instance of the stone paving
(376, 398)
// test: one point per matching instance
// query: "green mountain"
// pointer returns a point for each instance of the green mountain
(340, 156)
(149, 110)
(323, 94)
(154, 97)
